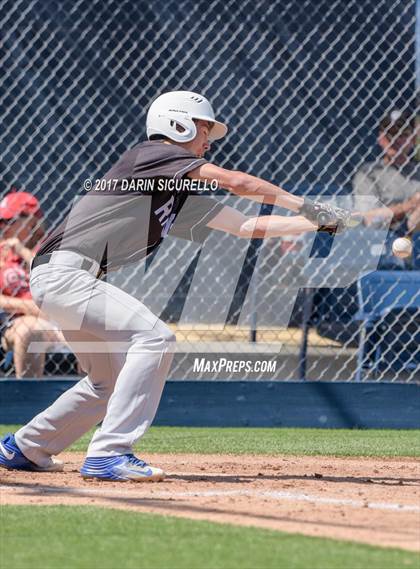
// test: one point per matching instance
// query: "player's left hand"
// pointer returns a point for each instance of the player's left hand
(330, 219)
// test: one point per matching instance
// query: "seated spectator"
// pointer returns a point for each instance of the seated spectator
(21, 229)
(394, 179)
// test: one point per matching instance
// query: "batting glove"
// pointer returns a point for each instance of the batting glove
(328, 218)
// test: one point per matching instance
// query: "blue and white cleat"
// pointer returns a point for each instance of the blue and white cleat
(12, 458)
(123, 467)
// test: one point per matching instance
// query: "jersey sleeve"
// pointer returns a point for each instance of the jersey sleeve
(196, 213)
(160, 160)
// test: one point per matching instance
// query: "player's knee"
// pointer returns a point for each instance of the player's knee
(166, 336)
(170, 337)
(161, 336)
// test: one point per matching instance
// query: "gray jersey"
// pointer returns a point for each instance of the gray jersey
(132, 208)
(386, 183)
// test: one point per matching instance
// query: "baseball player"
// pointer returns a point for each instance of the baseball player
(124, 349)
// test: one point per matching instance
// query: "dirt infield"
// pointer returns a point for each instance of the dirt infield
(374, 501)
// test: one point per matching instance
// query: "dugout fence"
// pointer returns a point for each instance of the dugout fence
(302, 86)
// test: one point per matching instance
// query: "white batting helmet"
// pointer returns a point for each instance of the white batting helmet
(178, 109)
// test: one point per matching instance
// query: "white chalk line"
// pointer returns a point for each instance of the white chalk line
(272, 494)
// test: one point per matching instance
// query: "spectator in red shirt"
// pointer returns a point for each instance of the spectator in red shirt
(21, 229)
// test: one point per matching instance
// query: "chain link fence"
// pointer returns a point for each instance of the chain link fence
(302, 86)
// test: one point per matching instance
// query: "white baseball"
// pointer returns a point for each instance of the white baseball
(402, 247)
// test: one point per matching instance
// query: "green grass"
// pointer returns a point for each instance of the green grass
(89, 537)
(329, 442)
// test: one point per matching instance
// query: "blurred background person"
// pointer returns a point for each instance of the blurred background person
(394, 178)
(21, 230)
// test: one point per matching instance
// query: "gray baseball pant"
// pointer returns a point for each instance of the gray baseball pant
(124, 349)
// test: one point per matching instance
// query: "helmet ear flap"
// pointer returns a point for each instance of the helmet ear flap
(178, 126)
(182, 129)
